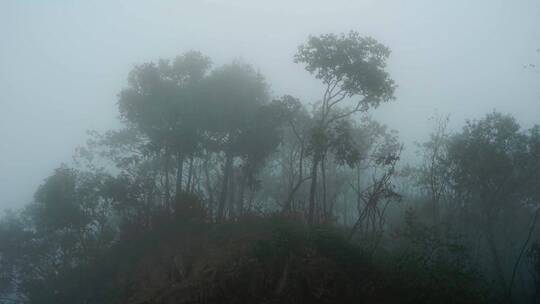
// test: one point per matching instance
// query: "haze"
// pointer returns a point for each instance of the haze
(62, 63)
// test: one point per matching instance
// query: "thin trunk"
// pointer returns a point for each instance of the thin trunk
(250, 199)
(521, 252)
(209, 188)
(179, 173)
(323, 176)
(190, 174)
(167, 182)
(287, 207)
(231, 200)
(434, 189)
(312, 190)
(492, 246)
(241, 196)
(197, 176)
(332, 204)
(225, 186)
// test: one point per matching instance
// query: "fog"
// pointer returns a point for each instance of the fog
(62, 63)
(215, 151)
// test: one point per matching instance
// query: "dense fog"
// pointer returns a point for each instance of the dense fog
(64, 62)
(269, 152)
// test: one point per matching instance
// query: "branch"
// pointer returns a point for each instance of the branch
(347, 113)
(328, 94)
(293, 127)
(333, 103)
(516, 264)
(296, 187)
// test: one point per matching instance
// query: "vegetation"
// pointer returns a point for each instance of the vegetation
(214, 191)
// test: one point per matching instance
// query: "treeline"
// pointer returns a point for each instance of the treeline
(213, 144)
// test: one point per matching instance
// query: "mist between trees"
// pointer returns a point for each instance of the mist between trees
(204, 146)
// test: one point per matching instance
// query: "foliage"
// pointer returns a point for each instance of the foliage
(437, 263)
(202, 195)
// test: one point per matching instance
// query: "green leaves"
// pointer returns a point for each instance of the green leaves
(351, 64)
(492, 161)
(161, 100)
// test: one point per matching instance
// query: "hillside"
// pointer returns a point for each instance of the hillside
(271, 259)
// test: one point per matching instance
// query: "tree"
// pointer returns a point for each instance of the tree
(237, 99)
(161, 102)
(495, 170)
(433, 171)
(372, 178)
(294, 147)
(189, 70)
(350, 67)
(67, 227)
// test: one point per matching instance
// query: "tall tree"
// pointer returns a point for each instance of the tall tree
(161, 102)
(235, 95)
(352, 69)
(495, 170)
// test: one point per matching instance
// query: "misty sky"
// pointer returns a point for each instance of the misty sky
(62, 62)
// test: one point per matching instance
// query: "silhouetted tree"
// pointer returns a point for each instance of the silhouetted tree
(349, 66)
(495, 171)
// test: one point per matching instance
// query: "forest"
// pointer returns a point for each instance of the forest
(215, 191)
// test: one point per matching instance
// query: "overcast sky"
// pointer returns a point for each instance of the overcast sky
(62, 62)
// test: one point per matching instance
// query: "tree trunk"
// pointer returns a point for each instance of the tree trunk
(521, 252)
(497, 263)
(250, 200)
(190, 174)
(179, 173)
(230, 204)
(287, 206)
(241, 195)
(209, 188)
(313, 189)
(166, 195)
(225, 186)
(323, 176)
